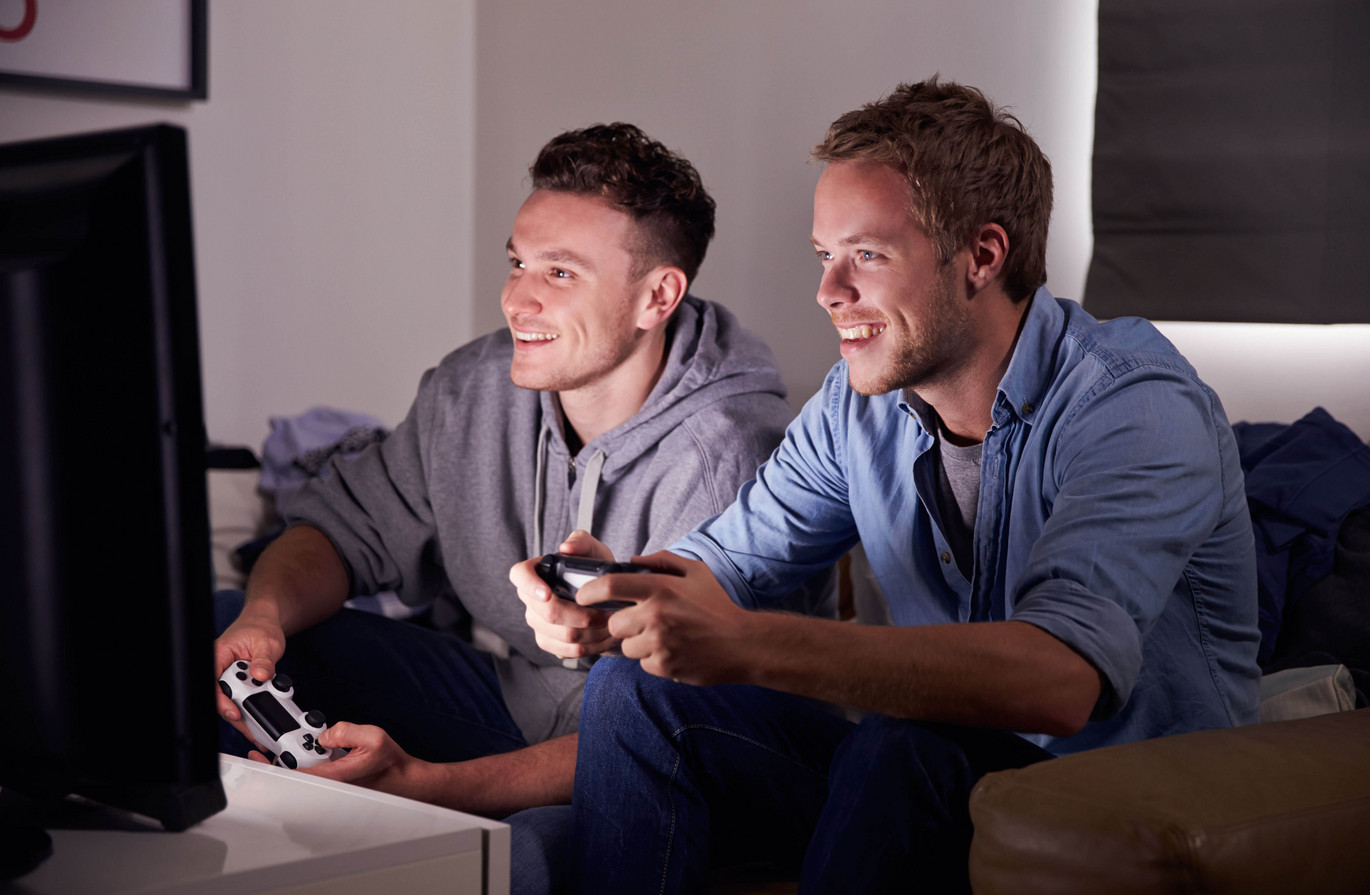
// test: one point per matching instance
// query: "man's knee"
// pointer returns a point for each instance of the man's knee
(624, 703)
(616, 687)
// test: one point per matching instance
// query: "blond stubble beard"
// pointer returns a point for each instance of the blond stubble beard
(928, 355)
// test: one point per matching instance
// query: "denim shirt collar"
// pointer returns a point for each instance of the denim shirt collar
(920, 410)
(1030, 370)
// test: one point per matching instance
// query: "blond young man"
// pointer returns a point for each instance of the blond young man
(1053, 507)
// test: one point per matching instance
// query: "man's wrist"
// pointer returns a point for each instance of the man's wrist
(753, 639)
(260, 608)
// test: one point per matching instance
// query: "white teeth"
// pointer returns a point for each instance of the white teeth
(534, 337)
(864, 331)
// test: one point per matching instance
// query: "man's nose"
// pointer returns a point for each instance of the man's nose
(835, 288)
(518, 297)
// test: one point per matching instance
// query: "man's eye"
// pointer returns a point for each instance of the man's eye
(867, 255)
(824, 256)
(516, 264)
(560, 274)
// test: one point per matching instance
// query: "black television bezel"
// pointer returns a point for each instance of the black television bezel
(183, 788)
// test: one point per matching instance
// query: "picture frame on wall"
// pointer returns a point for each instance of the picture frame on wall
(136, 48)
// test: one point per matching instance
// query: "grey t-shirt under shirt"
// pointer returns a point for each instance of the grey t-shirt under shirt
(958, 493)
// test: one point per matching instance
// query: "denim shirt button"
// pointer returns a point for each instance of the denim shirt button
(946, 557)
(1028, 408)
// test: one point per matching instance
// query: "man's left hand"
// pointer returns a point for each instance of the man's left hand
(684, 626)
(375, 761)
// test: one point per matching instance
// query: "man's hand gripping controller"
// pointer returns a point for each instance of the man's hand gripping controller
(275, 722)
(566, 574)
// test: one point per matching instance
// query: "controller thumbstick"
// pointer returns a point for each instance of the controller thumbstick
(315, 718)
(282, 682)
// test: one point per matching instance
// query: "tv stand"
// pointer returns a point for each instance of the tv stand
(22, 848)
(282, 830)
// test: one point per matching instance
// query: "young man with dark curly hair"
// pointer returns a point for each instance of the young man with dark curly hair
(1053, 507)
(614, 403)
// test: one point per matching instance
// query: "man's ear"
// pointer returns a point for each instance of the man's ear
(988, 249)
(662, 290)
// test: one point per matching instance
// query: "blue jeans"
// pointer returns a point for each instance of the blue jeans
(672, 780)
(437, 696)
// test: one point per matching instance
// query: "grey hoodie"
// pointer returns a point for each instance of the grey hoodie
(478, 477)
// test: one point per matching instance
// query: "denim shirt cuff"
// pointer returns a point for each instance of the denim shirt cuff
(1096, 628)
(703, 548)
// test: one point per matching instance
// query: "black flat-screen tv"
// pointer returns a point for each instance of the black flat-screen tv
(106, 624)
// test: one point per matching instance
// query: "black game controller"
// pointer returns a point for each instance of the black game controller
(567, 574)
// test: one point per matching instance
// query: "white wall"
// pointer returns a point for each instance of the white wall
(345, 242)
(333, 172)
(1267, 372)
(744, 88)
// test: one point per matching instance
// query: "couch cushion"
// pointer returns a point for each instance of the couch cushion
(1276, 807)
(1305, 692)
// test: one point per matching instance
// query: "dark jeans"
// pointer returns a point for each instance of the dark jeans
(434, 694)
(437, 696)
(672, 780)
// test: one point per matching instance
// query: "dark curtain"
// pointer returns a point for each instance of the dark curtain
(1232, 161)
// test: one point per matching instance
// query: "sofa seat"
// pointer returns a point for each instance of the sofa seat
(1275, 807)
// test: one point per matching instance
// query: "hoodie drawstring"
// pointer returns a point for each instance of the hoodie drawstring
(539, 492)
(585, 515)
(589, 488)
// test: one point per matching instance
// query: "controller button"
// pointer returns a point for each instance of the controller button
(309, 741)
(240, 675)
(254, 682)
(282, 682)
(289, 760)
(241, 664)
(319, 749)
(228, 691)
(315, 718)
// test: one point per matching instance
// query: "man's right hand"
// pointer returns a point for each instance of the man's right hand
(564, 629)
(256, 638)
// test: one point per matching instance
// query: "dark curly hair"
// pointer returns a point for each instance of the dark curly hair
(660, 190)
(967, 163)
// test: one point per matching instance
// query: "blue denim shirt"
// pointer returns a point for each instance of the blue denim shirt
(1111, 515)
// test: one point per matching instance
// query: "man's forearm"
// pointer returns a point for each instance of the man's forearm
(1006, 675)
(496, 785)
(299, 580)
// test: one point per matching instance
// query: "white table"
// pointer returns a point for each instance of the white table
(283, 831)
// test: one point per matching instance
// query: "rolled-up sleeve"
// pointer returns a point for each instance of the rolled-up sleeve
(1134, 484)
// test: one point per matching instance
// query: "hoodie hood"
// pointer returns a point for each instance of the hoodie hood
(710, 358)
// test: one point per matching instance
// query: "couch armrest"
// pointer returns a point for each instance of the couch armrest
(1275, 807)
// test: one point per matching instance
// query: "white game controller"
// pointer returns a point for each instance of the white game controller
(275, 722)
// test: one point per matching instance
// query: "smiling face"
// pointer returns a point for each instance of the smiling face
(570, 298)
(900, 313)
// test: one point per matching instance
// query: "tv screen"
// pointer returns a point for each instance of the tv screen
(105, 575)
